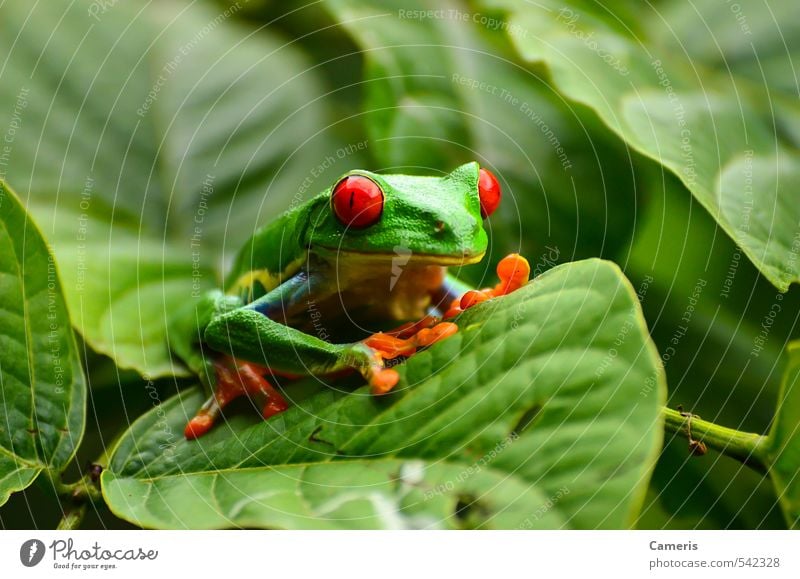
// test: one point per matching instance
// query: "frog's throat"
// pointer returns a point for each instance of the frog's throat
(407, 257)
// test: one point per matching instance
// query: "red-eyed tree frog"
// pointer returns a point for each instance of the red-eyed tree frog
(310, 293)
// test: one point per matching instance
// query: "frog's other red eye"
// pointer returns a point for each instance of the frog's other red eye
(489, 191)
(357, 201)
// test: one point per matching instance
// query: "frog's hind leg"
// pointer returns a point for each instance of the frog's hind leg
(235, 378)
(185, 333)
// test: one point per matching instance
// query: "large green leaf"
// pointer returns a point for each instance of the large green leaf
(153, 142)
(543, 411)
(441, 91)
(783, 444)
(706, 312)
(715, 131)
(756, 39)
(122, 283)
(42, 388)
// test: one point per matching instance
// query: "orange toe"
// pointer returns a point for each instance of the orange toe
(198, 426)
(408, 330)
(389, 346)
(472, 298)
(274, 406)
(452, 312)
(430, 336)
(384, 380)
(514, 272)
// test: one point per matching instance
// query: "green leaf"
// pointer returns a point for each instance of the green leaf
(783, 443)
(713, 130)
(42, 408)
(542, 412)
(750, 38)
(153, 140)
(443, 90)
(121, 283)
(706, 312)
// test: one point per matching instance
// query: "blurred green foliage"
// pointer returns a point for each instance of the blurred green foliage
(587, 159)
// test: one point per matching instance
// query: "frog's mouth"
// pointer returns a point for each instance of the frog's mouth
(403, 255)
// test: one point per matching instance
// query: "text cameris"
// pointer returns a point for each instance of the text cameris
(656, 546)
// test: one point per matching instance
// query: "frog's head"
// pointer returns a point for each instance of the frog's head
(434, 220)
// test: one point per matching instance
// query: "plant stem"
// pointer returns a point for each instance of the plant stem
(72, 518)
(82, 490)
(76, 497)
(746, 447)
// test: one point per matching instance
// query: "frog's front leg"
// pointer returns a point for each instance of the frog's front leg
(405, 341)
(513, 272)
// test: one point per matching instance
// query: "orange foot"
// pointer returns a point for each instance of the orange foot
(235, 378)
(513, 271)
(403, 341)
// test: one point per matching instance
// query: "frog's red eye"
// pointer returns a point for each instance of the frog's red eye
(357, 201)
(489, 191)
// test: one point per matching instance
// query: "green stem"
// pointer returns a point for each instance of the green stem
(76, 497)
(82, 490)
(72, 518)
(746, 447)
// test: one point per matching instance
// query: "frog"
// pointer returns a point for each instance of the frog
(356, 279)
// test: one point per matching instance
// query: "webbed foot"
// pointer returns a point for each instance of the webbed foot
(513, 271)
(234, 379)
(403, 341)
